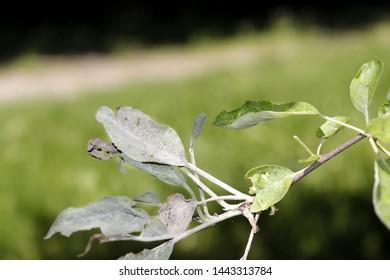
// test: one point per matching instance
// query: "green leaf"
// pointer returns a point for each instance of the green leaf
(140, 137)
(363, 85)
(252, 113)
(384, 110)
(330, 128)
(115, 216)
(379, 128)
(381, 191)
(310, 159)
(270, 183)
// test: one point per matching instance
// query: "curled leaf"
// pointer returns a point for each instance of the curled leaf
(270, 183)
(140, 137)
(252, 113)
(330, 128)
(101, 149)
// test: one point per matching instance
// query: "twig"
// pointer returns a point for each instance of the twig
(324, 158)
(250, 239)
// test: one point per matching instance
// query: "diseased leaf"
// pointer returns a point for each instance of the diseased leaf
(363, 85)
(115, 216)
(101, 149)
(380, 128)
(148, 198)
(105, 150)
(140, 137)
(121, 165)
(166, 173)
(252, 113)
(156, 228)
(330, 128)
(177, 213)
(270, 183)
(381, 191)
(162, 252)
(197, 128)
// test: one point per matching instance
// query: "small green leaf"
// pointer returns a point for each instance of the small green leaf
(384, 110)
(252, 113)
(380, 128)
(310, 159)
(381, 191)
(270, 183)
(363, 85)
(330, 128)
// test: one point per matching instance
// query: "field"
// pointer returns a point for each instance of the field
(328, 215)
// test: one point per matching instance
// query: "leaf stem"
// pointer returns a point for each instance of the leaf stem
(324, 158)
(220, 218)
(206, 189)
(201, 193)
(223, 197)
(307, 149)
(218, 182)
(215, 220)
(360, 131)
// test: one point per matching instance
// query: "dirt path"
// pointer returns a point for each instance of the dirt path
(60, 77)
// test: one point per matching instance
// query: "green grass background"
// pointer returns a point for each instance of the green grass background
(329, 215)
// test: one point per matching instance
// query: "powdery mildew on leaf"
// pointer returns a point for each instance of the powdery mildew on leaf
(177, 213)
(161, 252)
(140, 137)
(115, 216)
(166, 173)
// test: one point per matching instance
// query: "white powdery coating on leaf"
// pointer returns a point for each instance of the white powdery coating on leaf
(177, 213)
(140, 137)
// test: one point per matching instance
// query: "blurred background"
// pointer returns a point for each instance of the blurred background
(62, 61)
